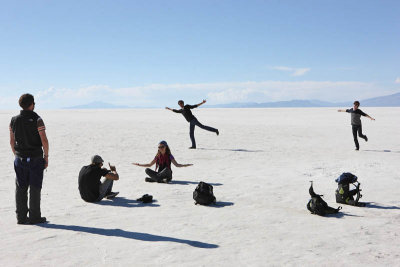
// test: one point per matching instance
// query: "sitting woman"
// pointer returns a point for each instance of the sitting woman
(163, 159)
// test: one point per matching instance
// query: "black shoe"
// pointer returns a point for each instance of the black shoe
(23, 221)
(146, 198)
(192, 147)
(217, 132)
(112, 195)
(357, 149)
(366, 139)
(149, 180)
(37, 220)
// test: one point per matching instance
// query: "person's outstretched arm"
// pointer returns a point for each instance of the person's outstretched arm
(342, 110)
(368, 116)
(197, 105)
(180, 165)
(113, 175)
(145, 165)
(174, 110)
(204, 101)
(365, 115)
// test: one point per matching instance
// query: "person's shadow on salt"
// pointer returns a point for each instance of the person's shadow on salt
(191, 182)
(231, 149)
(127, 203)
(127, 234)
(340, 215)
(381, 150)
(221, 204)
(374, 205)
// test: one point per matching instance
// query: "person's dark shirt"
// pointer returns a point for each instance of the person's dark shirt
(26, 127)
(356, 116)
(89, 182)
(186, 112)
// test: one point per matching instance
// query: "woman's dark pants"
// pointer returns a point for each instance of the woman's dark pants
(159, 176)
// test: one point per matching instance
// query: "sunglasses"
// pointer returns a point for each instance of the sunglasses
(160, 147)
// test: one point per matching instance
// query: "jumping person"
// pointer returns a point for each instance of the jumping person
(92, 187)
(28, 140)
(356, 114)
(187, 113)
(163, 159)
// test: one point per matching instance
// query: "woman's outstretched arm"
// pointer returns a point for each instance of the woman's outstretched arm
(145, 165)
(180, 165)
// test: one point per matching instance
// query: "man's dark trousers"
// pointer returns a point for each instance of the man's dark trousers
(194, 123)
(29, 172)
(357, 128)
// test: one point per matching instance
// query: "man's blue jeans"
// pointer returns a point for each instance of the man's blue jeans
(29, 172)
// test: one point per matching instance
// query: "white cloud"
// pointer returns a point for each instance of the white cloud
(229, 95)
(268, 91)
(158, 95)
(301, 72)
(397, 80)
(294, 71)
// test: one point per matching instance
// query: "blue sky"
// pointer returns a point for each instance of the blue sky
(152, 53)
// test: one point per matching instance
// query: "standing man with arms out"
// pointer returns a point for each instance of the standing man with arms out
(356, 114)
(187, 113)
(92, 187)
(28, 141)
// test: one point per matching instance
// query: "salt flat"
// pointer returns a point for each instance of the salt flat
(260, 165)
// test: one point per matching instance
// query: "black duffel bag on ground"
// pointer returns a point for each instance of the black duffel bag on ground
(203, 194)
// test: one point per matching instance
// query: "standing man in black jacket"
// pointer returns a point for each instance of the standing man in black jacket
(187, 113)
(28, 141)
(356, 114)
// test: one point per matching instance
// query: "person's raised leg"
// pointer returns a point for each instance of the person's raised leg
(360, 134)
(192, 125)
(355, 128)
(207, 128)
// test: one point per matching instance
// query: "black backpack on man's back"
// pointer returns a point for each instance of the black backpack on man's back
(203, 194)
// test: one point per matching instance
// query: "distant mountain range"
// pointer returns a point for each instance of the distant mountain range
(382, 101)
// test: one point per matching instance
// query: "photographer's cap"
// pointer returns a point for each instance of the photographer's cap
(97, 159)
